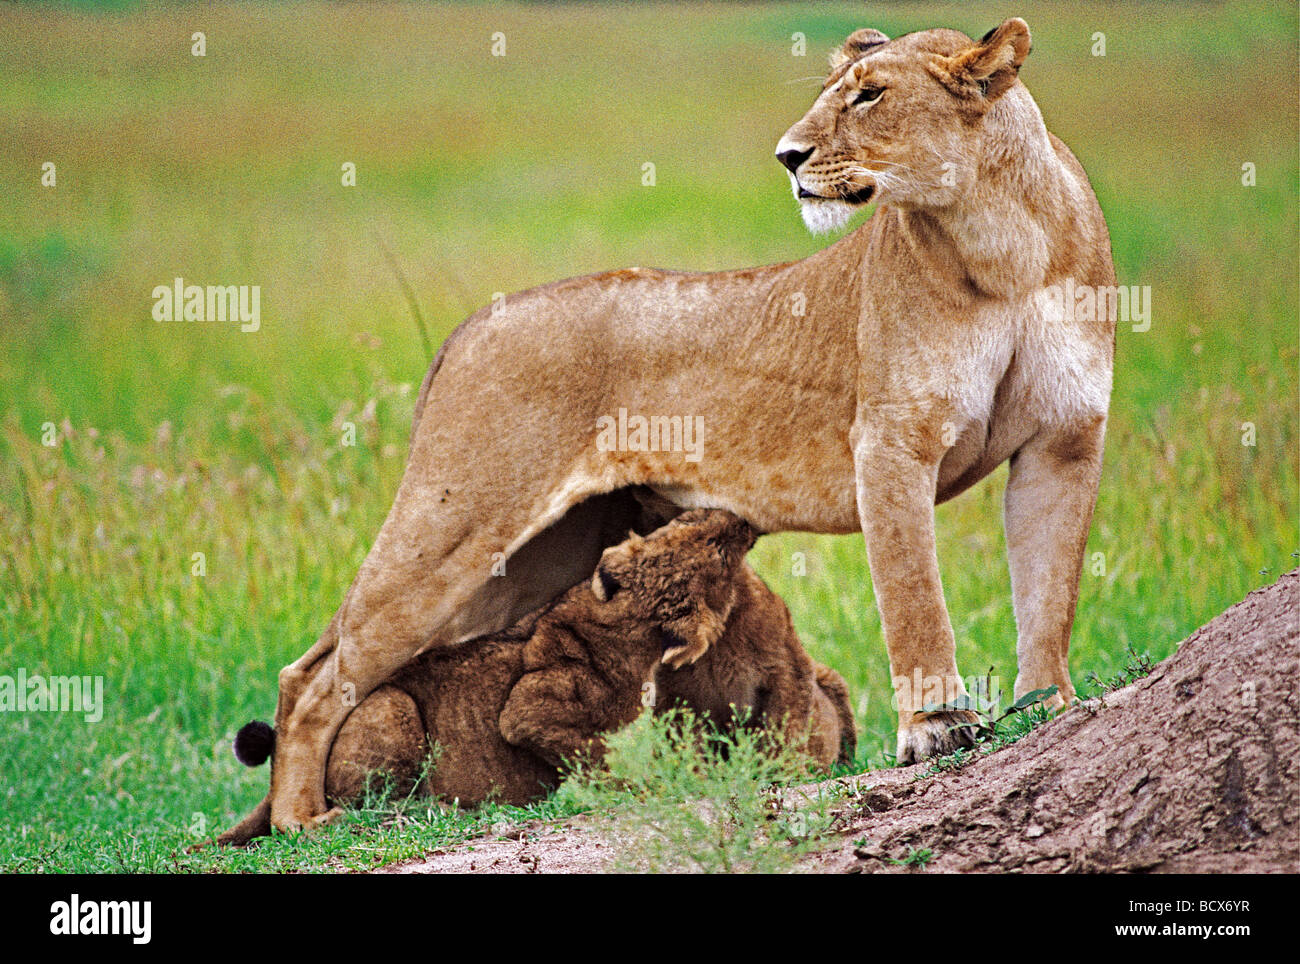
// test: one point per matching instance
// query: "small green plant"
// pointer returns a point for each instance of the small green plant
(1136, 666)
(381, 805)
(684, 796)
(953, 761)
(914, 858)
(995, 729)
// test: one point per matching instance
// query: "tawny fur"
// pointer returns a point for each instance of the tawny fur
(506, 711)
(851, 390)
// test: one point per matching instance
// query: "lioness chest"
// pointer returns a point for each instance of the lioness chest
(1017, 369)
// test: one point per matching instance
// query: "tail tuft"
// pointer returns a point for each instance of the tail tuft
(253, 743)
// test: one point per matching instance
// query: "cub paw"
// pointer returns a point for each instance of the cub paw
(935, 734)
(679, 651)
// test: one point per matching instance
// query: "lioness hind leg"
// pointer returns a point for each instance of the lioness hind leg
(1048, 505)
(295, 677)
(438, 573)
(396, 607)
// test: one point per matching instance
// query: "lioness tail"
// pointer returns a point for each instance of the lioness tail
(254, 743)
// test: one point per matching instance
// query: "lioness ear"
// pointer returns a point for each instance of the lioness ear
(991, 66)
(859, 42)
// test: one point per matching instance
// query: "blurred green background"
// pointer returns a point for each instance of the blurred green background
(484, 174)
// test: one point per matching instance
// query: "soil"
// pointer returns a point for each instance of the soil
(1192, 769)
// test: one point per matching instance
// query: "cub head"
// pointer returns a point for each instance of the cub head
(681, 577)
(900, 121)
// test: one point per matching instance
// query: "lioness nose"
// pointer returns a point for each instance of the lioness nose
(793, 158)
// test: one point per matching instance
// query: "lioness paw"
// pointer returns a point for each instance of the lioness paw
(328, 816)
(935, 734)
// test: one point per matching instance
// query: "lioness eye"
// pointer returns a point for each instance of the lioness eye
(867, 94)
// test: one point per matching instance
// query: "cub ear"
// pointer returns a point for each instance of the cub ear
(604, 584)
(603, 581)
(858, 43)
(737, 539)
(688, 637)
(991, 65)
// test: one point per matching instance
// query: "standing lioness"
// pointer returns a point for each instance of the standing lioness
(852, 389)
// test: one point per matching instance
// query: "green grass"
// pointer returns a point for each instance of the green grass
(492, 174)
(676, 804)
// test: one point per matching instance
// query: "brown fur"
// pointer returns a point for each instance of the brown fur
(760, 666)
(505, 711)
(848, 391)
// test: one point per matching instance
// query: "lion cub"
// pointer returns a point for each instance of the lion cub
(506, 710)
(755, 668)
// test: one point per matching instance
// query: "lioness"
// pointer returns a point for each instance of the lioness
(853, 389)
(507, 710)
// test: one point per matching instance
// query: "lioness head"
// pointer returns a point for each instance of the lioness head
(681, 577)
(899, 121)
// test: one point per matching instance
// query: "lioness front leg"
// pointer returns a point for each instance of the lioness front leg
(1050, 495)
(897, 475)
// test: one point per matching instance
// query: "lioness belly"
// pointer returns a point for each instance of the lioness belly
(780, 477)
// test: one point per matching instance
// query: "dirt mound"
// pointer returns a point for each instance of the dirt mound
(1195, 768)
